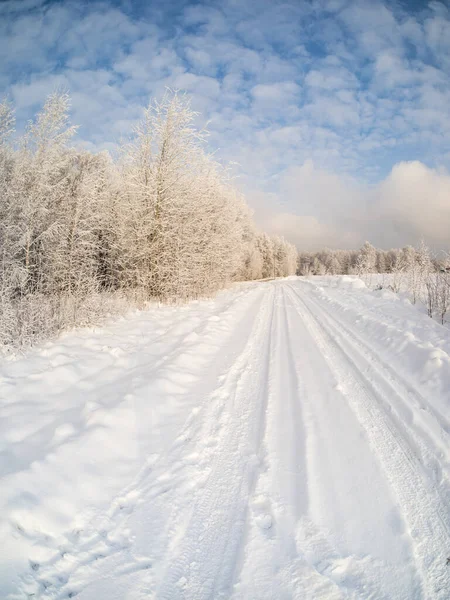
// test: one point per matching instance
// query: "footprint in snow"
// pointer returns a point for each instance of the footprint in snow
(262, 513)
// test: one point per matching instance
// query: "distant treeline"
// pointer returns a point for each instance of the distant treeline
(413, 270)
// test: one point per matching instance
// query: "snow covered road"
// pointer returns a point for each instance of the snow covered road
(290, 439)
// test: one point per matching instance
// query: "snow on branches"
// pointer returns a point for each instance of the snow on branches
(162, 222)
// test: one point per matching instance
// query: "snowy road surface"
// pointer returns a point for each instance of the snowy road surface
(290, 439)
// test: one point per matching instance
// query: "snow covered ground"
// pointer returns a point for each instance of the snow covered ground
(290, 439)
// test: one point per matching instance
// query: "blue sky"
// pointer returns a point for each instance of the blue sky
(336, 112)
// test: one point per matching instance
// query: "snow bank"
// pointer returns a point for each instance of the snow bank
(80, 417)
(349, 282)
(413, 344)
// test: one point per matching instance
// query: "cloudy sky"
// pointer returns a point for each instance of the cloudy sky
(336, 112)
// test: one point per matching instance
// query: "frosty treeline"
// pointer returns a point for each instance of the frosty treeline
(82, 234)
(416, 271)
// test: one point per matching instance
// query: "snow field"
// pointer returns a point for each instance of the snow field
(91, 386)
(289, 439)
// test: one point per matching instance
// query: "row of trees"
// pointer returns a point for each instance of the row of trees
(412, 270)
(79, 231)
(367, 259)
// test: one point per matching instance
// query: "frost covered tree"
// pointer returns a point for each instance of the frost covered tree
(407, 260)
(429, 281)
(380, 265)
(285, 257)
(327, 262)
(158, 175)
(305, 263)
(7, 122)
(318, 267)
(266, 246)
(80, 232)
(334, 265)
(42, 186)
(8, 233)
(442, 294)
(275, 257)
(367, 259)
(186, 231)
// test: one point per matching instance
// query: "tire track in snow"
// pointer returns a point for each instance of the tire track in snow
(397, 379)
(201, 558)
(260, 525)
(352, 518)
(280, 492)
(154, 362)
(261, 453)
(288, 556)
(433, 446)
(420, 503)
(274, 566)
(386, 386)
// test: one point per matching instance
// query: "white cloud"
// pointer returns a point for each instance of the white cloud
(307, 232)
(274, 95)
(312, 99)
(413, 201)
(198, 58)
(327, 209)
(331, 78)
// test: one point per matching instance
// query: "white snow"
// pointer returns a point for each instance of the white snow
(287, 440)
